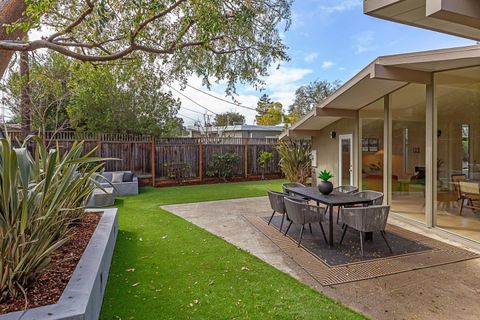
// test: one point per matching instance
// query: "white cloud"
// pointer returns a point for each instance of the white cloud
(332, 6)
(309, 57)
(327, 65)
(280, 85)
(364, 42)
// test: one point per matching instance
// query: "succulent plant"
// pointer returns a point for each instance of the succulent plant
(325, 175)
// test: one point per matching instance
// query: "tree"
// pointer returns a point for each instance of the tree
(121, 98)
(229, 119)
(212, 39)
(10, 12)
(47, 92)
(263, 104)
(263, 160)
(310, 95)
(273, 116)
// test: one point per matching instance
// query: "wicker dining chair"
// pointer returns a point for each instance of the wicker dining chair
(366, 219)
(344, 189)
(278, 205)
(292, 185)
(376, 197)
(302, 214)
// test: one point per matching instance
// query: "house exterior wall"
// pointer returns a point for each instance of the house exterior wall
(327, 148)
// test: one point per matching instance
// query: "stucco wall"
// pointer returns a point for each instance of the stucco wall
(327, 148)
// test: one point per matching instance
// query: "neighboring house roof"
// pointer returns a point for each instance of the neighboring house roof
(245, 127)
(381, 77)
(456, 17)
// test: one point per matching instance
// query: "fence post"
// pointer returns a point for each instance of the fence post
(200, 159)
(99, 144)
(153, 164)
(245, 142)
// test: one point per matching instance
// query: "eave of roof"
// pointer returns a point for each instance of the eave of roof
(383, 76)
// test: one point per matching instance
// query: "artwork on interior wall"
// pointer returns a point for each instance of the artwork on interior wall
(370, 144)
(373, 144)
(365, 145)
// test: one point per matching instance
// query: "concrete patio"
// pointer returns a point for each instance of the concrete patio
(443, 292)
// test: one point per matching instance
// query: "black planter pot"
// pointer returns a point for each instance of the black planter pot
(325, 187)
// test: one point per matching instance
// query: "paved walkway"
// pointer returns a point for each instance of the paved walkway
(446, 292)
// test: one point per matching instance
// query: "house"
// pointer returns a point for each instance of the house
(237, 131)
(409, 124)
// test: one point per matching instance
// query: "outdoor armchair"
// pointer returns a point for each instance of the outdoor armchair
(366, 219)
(344, 189)
(375, 196)
(302, 213)
(277, 204)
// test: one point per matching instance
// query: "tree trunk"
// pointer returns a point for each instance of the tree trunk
(25, 101)
(10, 11)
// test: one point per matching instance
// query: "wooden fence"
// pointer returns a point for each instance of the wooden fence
(169, 156)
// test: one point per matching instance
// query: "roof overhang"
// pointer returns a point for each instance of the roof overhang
(383, 76)
(456, 17)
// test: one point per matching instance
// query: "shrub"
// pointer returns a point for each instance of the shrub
(222, 165)
(295, 159)
(40, 197)
(263, 160)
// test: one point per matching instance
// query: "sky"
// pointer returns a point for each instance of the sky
(328, 40)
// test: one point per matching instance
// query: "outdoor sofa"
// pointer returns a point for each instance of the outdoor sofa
(127, 185)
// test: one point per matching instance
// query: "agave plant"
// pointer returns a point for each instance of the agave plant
(325, 175)
(40, 197)
(295, 159)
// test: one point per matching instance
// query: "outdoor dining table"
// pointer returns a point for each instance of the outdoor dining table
(334, 199)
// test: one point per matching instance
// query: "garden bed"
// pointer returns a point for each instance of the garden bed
(208, 180)
(49, 286)
(73, 284)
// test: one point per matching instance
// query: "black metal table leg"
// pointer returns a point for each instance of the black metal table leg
(368, 236)
(330, 226)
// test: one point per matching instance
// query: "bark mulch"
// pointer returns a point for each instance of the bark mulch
(50, 284)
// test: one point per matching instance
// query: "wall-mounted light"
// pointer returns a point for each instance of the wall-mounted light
(333, 134)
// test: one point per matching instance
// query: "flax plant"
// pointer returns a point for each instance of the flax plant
(295, 159)
(40, 197)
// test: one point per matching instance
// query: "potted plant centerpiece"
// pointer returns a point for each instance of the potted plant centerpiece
(325, 187)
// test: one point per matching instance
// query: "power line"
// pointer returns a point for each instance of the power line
(198, 104)
(182, 115)
(224, 100)
(191, 110)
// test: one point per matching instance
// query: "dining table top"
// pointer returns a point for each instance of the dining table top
(333, 199)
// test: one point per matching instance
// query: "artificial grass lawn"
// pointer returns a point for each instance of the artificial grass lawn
(167, 268)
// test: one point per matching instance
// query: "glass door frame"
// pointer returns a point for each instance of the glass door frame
(342, 137)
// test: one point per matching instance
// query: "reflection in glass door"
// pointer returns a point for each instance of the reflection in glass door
(345, 150)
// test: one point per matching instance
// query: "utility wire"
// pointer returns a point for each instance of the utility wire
(182, 107)
(224, 100)
(198, 104)
(182, 115)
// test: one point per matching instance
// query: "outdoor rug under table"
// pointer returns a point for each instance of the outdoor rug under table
(344, 263)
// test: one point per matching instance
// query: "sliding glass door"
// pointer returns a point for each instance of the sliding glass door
(407, 109)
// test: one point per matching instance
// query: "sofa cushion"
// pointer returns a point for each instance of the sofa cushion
(117, 177)
(127, 176)
(107, 176)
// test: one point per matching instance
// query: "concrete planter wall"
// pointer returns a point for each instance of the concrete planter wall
(82, 298)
